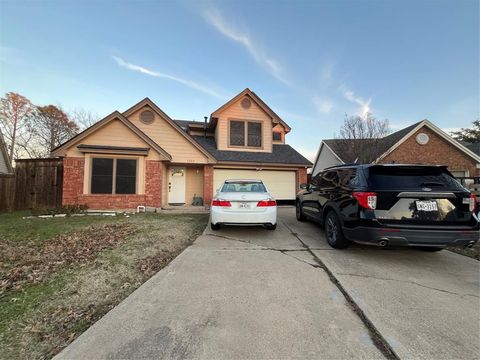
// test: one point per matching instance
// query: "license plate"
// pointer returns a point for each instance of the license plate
(243, 205)
(427, 205)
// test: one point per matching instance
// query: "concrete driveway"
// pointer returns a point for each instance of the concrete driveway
(243, 293)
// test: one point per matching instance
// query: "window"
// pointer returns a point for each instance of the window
(113, 174)
(243, 186)
(245, 133)
(254, 134)
(126, 176)
(277, 136)
(237, 133)
(102, 175)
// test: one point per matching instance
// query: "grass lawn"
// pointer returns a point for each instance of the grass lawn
(58, 276)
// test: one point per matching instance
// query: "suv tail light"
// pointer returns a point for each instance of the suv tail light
(264, 203)
(222, 203)
(367, 200)
(472, 203)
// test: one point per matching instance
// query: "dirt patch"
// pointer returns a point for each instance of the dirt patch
(32, 263)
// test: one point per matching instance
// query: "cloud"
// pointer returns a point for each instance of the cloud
(364, 104)
(188, 83)
(214, 18)
(323, 106)
(310, 154)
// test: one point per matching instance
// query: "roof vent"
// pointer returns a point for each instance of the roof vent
(246, 103)
(147, 117)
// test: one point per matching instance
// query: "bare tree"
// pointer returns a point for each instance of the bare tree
(470, 135)
(15, 111)
(84, 118)
(50, 127)
(361, 138)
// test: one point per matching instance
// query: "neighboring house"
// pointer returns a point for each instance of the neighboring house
(143, 157)
(420, 143)
(5, 162)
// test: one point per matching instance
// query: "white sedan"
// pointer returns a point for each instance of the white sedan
(243, 202)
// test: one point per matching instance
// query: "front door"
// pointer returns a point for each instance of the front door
(176, 185)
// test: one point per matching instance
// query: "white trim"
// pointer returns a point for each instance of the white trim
(439, 132)
(320, 151)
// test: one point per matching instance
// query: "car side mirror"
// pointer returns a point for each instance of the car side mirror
(303, 186)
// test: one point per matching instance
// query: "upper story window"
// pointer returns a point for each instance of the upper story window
(277, 136)
(113, 176)
(245, 133)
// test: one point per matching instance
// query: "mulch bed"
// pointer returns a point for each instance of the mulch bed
(31, 263)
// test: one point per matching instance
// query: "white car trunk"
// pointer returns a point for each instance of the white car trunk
(243, 201)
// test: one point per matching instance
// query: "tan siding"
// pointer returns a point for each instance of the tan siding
(181, 150)
(235, 111)
(194, 184)
(115, 133)
(164, 184)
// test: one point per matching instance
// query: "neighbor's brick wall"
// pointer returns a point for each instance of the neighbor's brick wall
(207, 185)
(301, 177)
(73, 188)
(72, 179)
(436, 152)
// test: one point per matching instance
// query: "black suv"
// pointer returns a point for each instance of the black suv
(390, 205)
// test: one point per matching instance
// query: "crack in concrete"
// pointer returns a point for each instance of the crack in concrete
(377, 338)
(408, 282)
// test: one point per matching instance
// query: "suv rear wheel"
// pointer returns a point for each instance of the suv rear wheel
(333, 232)
(299, 212)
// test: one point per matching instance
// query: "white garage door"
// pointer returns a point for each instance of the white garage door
(281, 184)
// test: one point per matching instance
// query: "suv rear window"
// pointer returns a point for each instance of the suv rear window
(244, 186)
(418, 177)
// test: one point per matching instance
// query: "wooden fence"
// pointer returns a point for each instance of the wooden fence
(7, 192)
(37, 184)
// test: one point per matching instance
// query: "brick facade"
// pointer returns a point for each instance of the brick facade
(207, 185)
(73, 172)
(301, 177)
(72, 180)
(436, 152)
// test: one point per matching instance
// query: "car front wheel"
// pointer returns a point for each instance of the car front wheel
(333, 232)
(299, 212)
(215, 226)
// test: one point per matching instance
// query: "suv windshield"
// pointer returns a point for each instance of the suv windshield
(244, 186)
(415, 177)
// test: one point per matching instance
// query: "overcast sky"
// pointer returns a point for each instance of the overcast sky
(311, 61)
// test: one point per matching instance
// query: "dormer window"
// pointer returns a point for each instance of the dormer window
(277, 136)
(244, 133)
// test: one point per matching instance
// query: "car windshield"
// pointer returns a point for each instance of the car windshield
(393, 178)
(244, 186)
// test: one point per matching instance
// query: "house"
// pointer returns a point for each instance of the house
(420, 143)
(143, 157)
(5, 162)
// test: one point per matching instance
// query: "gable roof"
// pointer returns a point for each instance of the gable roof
(5, 162)
(257, 100)
(392, 141)
(113, 116)
(281, 154)
(164, 116)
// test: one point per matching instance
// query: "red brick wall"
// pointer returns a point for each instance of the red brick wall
(207, 185)
(153, 183)
(73, 169)
(72, 180)
(301, 177)
(436, 152)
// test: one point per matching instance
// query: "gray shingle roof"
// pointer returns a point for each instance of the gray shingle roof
(473, 147)
(338, 145)
(281, 153)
